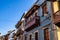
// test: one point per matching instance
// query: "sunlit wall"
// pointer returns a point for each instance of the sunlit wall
(58, 32)
(55, 6)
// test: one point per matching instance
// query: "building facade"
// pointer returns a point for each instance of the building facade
(20, 31)
(12, 35)
(41, 21)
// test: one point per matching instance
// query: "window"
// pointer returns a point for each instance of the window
(36, 14)
(31, 17)
(30, 37)
(36, 35)
(25, 37)
(44, 9)
(28, 19)
(46, 34)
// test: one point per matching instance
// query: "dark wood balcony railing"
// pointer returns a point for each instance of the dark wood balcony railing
(32, 23)
(57, 17)
(19, 32)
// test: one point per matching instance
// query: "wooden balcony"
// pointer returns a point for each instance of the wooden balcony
(31, 11)
(32, 23)
(57, 17)
(19, 32)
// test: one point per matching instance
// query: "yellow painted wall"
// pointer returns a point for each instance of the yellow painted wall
(58, 33)
(55, 6)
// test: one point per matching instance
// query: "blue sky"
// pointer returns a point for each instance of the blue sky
(10, 13)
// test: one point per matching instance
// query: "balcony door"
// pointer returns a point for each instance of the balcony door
(46, 34)
(36, 35)
(30, 37)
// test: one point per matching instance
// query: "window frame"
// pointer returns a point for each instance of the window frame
(30, 36)
(45, 36)
(44, 9)
(37, 34)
